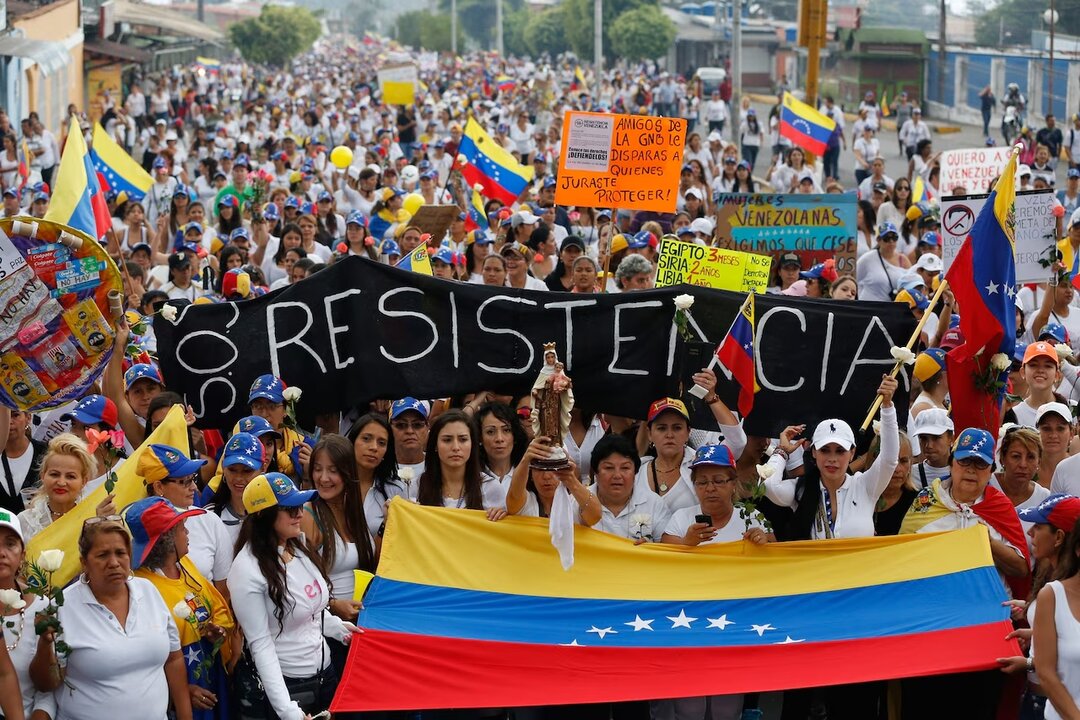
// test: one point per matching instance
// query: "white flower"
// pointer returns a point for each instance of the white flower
(765, 471)
(462, 160)
(1004, 429)
(12, 599)
(50, 560)
(182, 610)
(684, 301)
(168, 312)
(406, 474)
(1064, 352)
(877, 427)
(1000, 361)
(640, 519)
(292, 394)
(478, 188)
(902, 355)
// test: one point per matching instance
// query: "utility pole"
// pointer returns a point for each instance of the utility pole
(941, 54)
(200, 10)
(736, 62)
(1053, 21)
(812, 17)
(498, 27)
(598, 38)
(453, 26)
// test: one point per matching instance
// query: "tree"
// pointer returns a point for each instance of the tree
(477, 18)
(643, 33)
(514, 23)
(546, 33)
(1012, 21)
(578, 15)
(277, 35)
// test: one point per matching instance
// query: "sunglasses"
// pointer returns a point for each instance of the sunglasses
(97, 520)
(183, 482)
(291, 511)
(714, 483)
(403, 425)
(971, 462)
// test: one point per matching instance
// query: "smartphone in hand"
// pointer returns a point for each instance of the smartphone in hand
(707, 519)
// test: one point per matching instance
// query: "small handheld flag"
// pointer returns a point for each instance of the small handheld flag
(805, 126)
(417, 261)
(78, 200)
(736, 353)
(492, 166)
(885, 111)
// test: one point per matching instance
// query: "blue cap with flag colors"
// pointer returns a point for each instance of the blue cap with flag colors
(142, 371)
(975, 443)
(159, 462)
(269, 387)
(1060, 510)
(255, 425)
(719, 455)
(243, 449)
(274, 490)
(94, 409)
(406, 404)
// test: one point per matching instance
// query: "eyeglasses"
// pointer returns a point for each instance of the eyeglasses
(972, 462)
(292, 511)
(404, 425)
(184, 482)
(714, 483)
(97, 520)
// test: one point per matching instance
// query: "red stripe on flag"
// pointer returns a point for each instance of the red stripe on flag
(434, 672)
(491, 189)
(803, 140)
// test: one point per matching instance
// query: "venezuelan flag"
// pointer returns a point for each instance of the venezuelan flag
(505, 83)
(78, 200)
(120, 171)
(626, 622)
(475, 217)
(983, 281)
(805, 126)
(579, 82)
(736, 352)
(417, 261)
(498, 172)
(210, 65)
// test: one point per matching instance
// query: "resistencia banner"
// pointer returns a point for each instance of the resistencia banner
(361, 330)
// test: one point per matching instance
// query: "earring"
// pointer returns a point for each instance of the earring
(85, 579)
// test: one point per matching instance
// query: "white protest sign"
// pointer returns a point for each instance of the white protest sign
(1036, 230)
(971, 170)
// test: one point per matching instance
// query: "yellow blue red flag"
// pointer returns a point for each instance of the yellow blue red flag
(118, 168)
(418, 261)
(492, 166)
(805, 126)
(77, 198)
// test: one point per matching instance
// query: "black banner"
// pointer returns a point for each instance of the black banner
(359, 330)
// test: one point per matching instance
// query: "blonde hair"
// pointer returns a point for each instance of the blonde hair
(1027, 437)
(69, 445)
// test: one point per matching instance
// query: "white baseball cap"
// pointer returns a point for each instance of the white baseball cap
(1074, 218)
(702, 225)
(833, 431)
(934, 421)
(929, 262)
(1054, 408)
(9, 520)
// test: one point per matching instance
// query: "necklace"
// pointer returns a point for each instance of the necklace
(53, 512)
(17, 633)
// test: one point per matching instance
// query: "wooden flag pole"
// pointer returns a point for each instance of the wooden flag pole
(942, 287)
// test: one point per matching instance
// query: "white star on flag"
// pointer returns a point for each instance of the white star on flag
(602, 631)
(681, 620)
(719, 623)
(639, 624)
(192, 655)
(789, 641)
(572, 643)
(760, 629)
(992, 288)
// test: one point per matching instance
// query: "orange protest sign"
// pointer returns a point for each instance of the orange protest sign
(620, 161)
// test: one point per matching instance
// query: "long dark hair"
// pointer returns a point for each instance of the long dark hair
(225, 227)
(257, 532)
(339, 451)
(285, 230)
(429, 489)
(808, 494)
(386, 471)
(1069, 564)
(503, 412)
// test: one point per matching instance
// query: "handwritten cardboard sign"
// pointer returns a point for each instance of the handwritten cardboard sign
(970, 171)
(398, 84)
(630, 161)
(817, 227)
(692, 264)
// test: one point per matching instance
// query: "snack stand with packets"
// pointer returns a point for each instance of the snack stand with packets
(60, 295)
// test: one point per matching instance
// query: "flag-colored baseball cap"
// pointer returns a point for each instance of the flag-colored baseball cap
(243, 449)
(719, 455)
(142, 371)
(274, 490)
(1060, 510)
(929, 363)
(666, 404)
(94, 409)
(268, 387)
(147, 520)
(160, 462)
(406, 404)
(976, 443)
(255, 425)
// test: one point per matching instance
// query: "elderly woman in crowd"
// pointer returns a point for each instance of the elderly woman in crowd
(121, 637)
(202, 616)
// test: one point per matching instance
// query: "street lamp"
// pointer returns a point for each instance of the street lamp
(1050, 17)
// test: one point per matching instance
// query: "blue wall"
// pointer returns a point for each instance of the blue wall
(978, 77)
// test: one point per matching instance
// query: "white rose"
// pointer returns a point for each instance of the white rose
(1000, 361)
(50, 560)
(1064, 352)
(684, 301)
(765, 471)
(182, 610)
(292, 394)
(462, 160)
(877, 427)
(478, 188)
(406, 474)
(12, 599)
(640, 519)
(169, 313)
(902, 355)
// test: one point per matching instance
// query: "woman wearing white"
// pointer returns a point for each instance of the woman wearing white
(283, 610)
(829, 503)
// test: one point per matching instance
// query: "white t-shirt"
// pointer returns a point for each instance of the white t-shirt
(210, 548)
(1067, 477)
(21, 634)
(874, 274)
(732, 531)
(644, 516)
(107, 661)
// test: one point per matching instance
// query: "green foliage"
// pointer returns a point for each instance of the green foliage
(644, 33)
(422, 29)
(579, 23)
(1010, 22)
(514, 24)
(477, 19)
(277, 35)
(546, 32)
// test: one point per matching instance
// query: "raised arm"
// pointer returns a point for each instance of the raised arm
(877, 476)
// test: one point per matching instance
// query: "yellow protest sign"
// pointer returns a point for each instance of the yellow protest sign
(398, 84)
(690, 264)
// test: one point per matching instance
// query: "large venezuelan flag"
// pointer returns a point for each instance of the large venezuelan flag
(117, 167)
(492, 620)
(491, 165)
(805, 126)
(78, 200)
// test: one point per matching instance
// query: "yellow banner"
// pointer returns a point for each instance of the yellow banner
(690, 264)
(399, 93)
(64, 533)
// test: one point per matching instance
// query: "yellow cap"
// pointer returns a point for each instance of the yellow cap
(273, 489)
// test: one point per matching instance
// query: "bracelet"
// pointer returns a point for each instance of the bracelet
(1030, 663)
(713, 400)
(782, 453)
